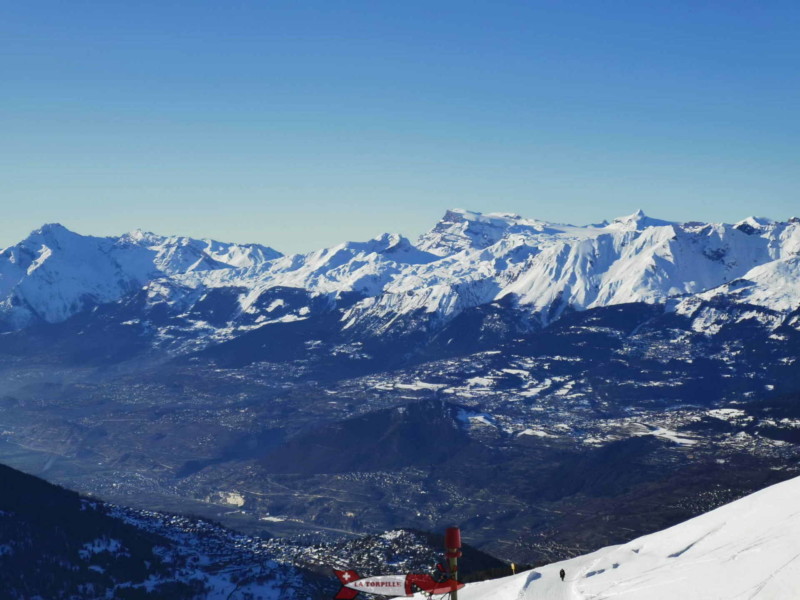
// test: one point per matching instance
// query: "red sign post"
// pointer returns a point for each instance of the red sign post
(452, 546)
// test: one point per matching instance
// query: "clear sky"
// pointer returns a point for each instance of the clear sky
(303, 123)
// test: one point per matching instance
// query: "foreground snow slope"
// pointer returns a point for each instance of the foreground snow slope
(745, 549)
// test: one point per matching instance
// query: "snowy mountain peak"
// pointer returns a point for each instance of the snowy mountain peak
(388, 241)
(461, 230)
(49, 234)
(752, 225)
(138, 234)
(637, 222)
(52, 229)
(757, 221)
(140, 237)
(494, 219)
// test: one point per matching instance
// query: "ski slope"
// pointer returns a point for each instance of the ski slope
(748, 549)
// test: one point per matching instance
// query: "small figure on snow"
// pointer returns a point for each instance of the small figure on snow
(563, 574)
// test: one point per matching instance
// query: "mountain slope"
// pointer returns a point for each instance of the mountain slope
(57, 544)
(745, 549)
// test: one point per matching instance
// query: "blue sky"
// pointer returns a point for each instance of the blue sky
(301, 124)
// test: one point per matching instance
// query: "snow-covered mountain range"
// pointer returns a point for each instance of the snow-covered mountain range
(209, 290)
(55, 273)
(745, 549)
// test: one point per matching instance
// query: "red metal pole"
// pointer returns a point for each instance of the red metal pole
(452, 545)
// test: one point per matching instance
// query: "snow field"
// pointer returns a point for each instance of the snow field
(746, 550)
